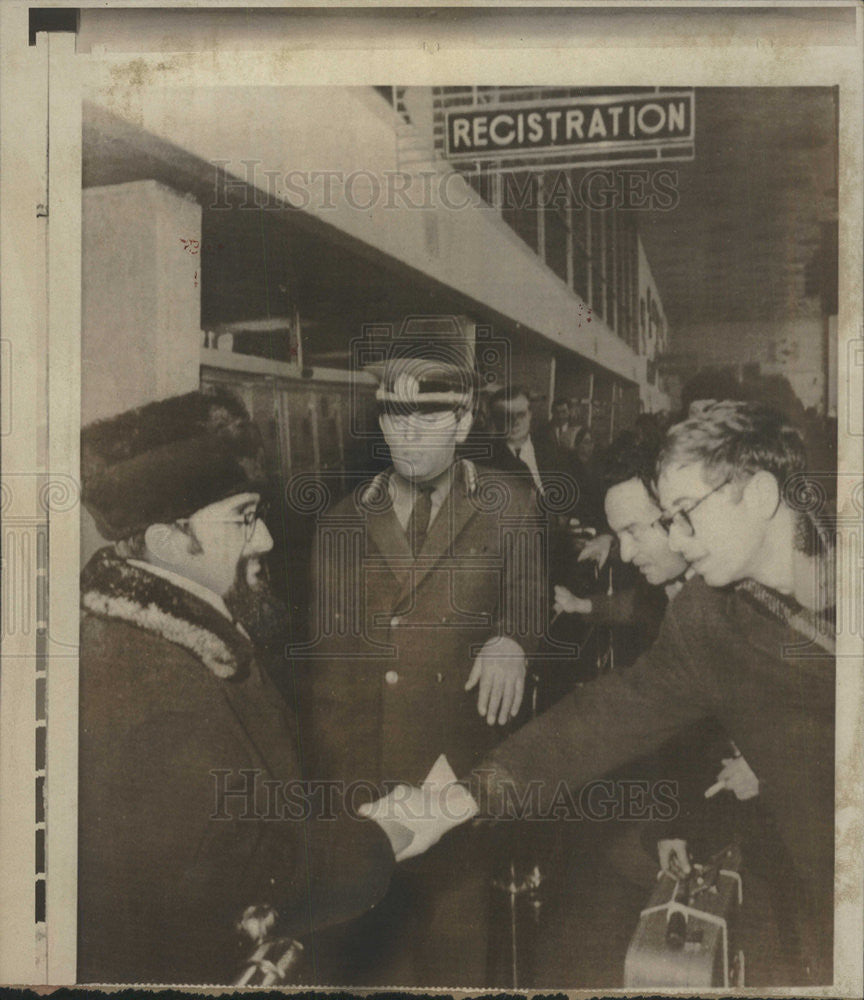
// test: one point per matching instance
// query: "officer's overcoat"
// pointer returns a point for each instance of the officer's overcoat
(395, 637)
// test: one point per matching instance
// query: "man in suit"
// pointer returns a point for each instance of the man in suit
(517, 449)
(421, 649)
(554, 470)
(558, 429)
(559, 480)
(575, 421)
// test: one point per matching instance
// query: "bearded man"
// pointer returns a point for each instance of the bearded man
(192, 815)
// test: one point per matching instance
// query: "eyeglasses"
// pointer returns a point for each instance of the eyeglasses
(681, 517)
(249, 519)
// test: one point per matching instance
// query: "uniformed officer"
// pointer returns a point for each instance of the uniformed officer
(421, 646)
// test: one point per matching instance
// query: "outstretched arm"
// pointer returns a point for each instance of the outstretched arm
(603, 725)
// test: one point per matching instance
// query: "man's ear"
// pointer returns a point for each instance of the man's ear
(463, 425)
(166, 542)
(762, 494)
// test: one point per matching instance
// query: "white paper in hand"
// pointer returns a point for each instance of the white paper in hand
(441, 774)
(425, 814)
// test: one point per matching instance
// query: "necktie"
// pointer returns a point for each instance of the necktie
(535, 476)
(418, 523)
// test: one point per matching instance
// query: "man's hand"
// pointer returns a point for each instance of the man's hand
(597, 549)
(567, 602)
(500, 671)
(737, 776)
(674, 859)
(415, 819)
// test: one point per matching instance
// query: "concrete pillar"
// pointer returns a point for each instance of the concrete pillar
(141, 303)
(141, 307)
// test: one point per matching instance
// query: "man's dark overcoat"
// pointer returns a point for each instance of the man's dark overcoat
(569, 488)
(553, 462)
(175, 711)
(397, 635)
(765, 672)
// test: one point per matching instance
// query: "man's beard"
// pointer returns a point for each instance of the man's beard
(252, 602)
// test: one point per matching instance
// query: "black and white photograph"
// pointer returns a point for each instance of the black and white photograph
(432, 498)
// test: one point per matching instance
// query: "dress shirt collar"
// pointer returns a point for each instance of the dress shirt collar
(525, 453)
(404, 493)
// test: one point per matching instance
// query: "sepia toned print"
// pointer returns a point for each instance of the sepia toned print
(458, 492)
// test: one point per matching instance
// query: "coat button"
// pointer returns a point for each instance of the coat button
(394, 621)
(391, 677)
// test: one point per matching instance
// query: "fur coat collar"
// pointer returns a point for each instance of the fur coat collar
(111, 587)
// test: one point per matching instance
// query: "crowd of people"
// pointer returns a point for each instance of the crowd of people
(346, 800)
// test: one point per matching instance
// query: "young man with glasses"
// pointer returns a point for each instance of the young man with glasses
(190, 803)
(748, 640)
(698, 758)
(447, 601)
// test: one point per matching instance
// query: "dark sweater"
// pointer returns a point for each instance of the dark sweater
(640, 607)
(720, 653)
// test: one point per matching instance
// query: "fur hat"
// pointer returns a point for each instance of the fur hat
(168, 459)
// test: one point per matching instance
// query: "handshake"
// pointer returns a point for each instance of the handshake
(414, 819)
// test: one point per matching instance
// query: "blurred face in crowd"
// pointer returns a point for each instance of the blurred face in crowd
(560, 414)
(210, 545)
(585, 449)
(632, 515)
(719, 528)
(513, 417)
(423, 444)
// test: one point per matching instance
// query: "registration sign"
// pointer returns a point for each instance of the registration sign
(603, 127)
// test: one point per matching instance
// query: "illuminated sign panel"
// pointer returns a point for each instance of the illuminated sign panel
(646, 122)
